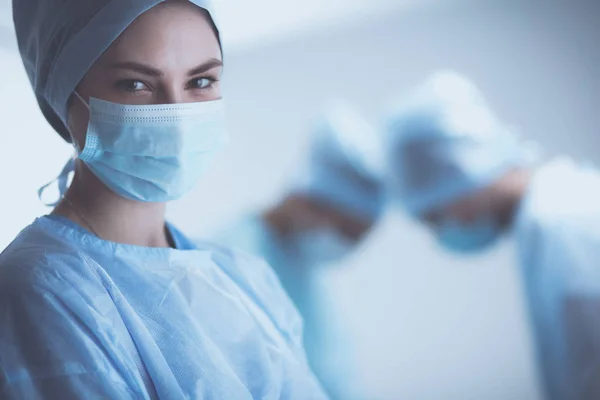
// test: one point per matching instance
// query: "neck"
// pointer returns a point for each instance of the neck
(96, 208)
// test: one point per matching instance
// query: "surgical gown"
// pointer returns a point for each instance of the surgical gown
(83, 318)
(558, 230)
(326, 343)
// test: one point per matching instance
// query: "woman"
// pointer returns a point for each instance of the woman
(102, 298)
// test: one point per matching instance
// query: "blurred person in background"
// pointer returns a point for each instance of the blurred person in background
(103, 299)
(456, 168)
(337, 200)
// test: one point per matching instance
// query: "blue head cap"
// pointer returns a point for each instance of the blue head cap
(343, 166)
(445, 143)
(60, 40)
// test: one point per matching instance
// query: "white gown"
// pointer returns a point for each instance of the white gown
(558, 233)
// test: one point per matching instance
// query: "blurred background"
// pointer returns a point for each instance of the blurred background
(425, 325)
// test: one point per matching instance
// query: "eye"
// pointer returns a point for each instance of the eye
(131, 85)
(201, 83)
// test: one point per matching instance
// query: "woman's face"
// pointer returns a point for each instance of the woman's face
(170, 54)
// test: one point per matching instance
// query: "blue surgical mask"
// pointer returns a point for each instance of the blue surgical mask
(152, 153)
(468, 238)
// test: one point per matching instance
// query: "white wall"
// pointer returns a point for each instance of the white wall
(427, 326)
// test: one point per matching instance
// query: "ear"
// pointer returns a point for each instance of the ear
(78, 119)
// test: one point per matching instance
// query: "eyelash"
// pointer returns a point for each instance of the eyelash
(126, 83)
(211, 81)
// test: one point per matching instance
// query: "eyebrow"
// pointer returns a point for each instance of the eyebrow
(150, 71)
(207, 66)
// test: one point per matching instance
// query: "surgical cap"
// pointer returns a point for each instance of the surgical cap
(343, 165)
(445, 143)
(60, 40)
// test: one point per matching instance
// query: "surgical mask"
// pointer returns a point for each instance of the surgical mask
(321, 246)
(468, 238)
(152, 153)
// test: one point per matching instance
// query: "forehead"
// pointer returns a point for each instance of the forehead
(171, 34)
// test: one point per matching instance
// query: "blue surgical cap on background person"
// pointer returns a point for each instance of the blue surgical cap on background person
(444, 142)
(60, 40)
(343, 166)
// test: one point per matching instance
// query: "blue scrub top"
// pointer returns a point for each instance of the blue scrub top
(86, 318)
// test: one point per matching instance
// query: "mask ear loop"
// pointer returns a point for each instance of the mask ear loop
(82, 100)
(75, 144)
(63, 177)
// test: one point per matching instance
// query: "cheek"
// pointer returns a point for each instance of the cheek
(78, 122)
(216, 92)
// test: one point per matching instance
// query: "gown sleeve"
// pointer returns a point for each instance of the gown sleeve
(58, 338)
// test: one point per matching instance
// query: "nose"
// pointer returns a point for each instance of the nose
(170, 94)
